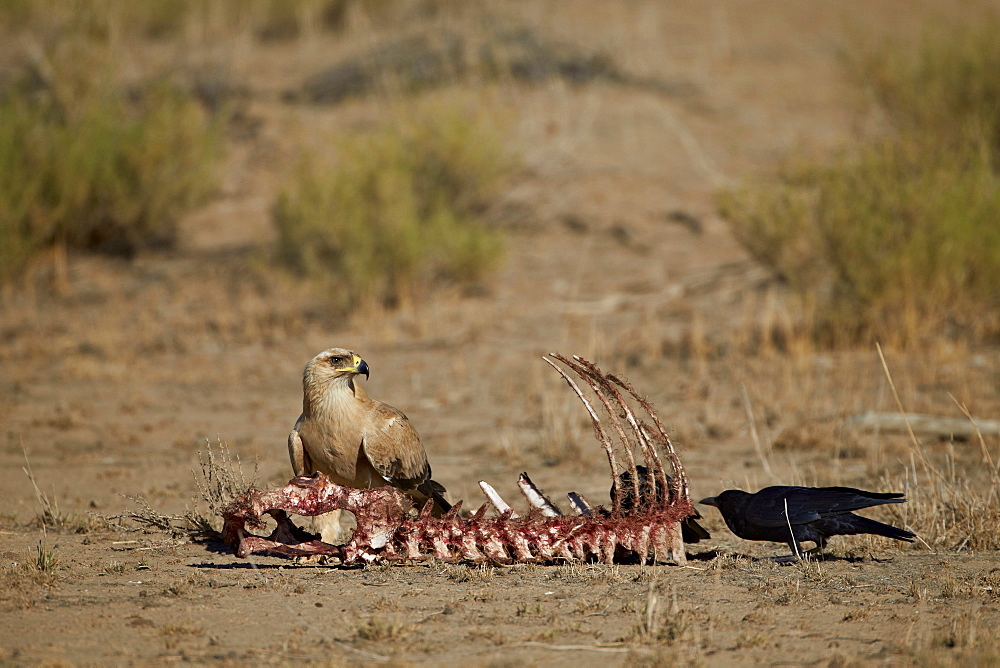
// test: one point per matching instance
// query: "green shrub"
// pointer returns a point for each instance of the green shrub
(945, 84)
(86, 165)
(391, 212)
(172, 19)
(899, 238)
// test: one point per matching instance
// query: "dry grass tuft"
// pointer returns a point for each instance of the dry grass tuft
(20, 582)
(49, 516)
(482, 573)
(221, 482)
(46, 561)
(563, 434)
(665, 622)
(376, 629)
(946, 506)
(948, 510)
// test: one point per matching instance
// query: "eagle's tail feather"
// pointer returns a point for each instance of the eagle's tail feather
(436, 491)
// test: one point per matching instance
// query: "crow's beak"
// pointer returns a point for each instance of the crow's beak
(710, 501)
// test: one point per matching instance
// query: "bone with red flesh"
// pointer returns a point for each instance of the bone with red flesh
(501, 539)
(536, 498)
(598, 380)
(680, 485)
(653, 462)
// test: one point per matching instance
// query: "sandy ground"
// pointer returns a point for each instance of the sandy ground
(112, 389)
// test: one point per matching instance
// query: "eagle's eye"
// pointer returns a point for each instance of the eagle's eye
(336, 360)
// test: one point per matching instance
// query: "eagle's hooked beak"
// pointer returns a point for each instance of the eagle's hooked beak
(360, 366)
(710, 501)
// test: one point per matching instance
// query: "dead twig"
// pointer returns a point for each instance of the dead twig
(572, 648)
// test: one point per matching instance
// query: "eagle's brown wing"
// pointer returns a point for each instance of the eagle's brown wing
(301, 462)
(393, 447)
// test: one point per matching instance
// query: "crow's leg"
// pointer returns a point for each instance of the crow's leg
(797, 553)
(820, 546)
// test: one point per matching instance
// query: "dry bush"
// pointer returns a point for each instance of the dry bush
(265, 20)
(398, 209)
(86, 163)
(942, 82)
(221, 482)
(897, 238)
(489, 48)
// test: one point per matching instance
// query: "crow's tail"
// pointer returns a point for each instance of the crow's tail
(692, 532)
(865, 525)
(877, 497)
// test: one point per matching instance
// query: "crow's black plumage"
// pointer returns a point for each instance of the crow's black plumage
(794, 515)
(691, 531)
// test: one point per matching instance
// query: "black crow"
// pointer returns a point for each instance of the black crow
(794, 515)
(691, 531)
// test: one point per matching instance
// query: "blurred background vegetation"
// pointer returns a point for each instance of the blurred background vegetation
(94, 158)
(898, 237)
(90, 162)
(388, 213)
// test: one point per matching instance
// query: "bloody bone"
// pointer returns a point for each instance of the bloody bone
(390, 528)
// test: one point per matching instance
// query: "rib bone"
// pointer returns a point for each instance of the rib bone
(536, 498)
(495, 498)
(595, 384)
(598, 429)
(580, 504)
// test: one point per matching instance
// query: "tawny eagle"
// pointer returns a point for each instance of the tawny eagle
(356, 440)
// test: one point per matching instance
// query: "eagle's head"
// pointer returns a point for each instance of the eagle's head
(333, 366)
